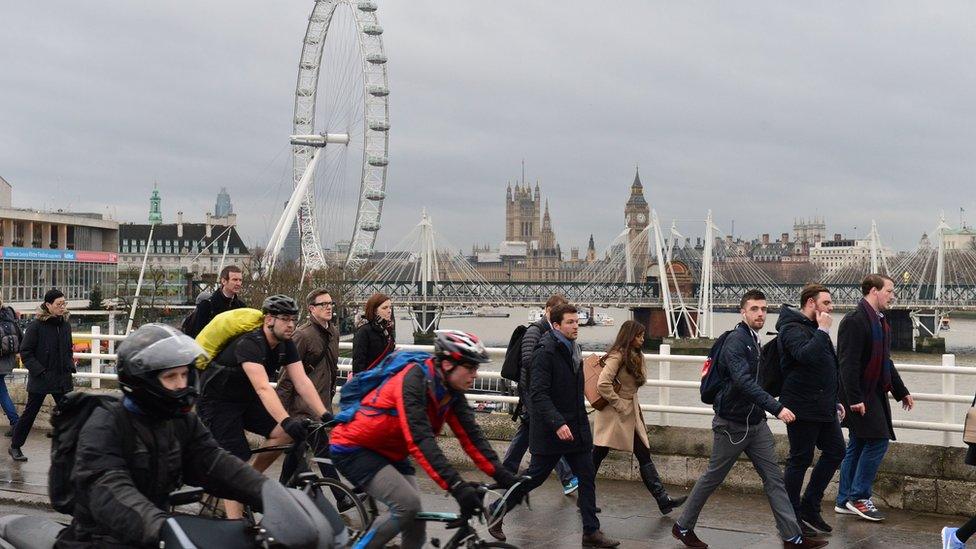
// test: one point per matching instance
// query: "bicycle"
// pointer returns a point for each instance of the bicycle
(467, 536)
(356, 510)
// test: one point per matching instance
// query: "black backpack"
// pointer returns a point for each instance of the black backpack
(512, 366)
(67, 421)
(186, 325)
(10, 333)
(712, 373)
(770, 376)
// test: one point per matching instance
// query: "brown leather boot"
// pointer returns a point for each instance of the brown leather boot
(496, 530)
(599, 539)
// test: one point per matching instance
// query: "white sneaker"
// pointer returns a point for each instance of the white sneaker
(841, 510)
(949, 539)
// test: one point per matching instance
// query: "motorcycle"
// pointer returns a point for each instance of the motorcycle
(290, 520)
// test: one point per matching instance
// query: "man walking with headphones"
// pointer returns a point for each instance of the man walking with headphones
(740, 426)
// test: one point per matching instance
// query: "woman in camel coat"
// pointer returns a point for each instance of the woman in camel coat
(620, 425)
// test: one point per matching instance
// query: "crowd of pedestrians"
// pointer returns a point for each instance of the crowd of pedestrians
(821, 391)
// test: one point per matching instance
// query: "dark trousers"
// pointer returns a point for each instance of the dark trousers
(581, 463)
(295, 460)
(804, 436)
(516, 451)
(33, 406)
(641, 452)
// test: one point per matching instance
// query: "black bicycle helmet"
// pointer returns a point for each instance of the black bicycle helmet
(279, 305)
(147, 352)
(459, 347)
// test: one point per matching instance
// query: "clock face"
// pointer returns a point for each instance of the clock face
(641, 218)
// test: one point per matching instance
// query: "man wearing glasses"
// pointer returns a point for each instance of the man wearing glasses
(317, 341)
(238, 396)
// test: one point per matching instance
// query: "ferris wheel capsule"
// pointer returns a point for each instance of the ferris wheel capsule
(373, 30)
(367, 6)
(376, 58)
(378, 91)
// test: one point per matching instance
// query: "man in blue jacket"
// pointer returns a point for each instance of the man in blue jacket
(740, 426)
(810, 384)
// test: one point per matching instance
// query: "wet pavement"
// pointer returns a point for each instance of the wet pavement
(729, 520)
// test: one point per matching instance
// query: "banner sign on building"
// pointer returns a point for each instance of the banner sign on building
(41, 254)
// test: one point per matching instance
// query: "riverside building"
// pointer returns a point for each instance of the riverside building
(180, 253)
(73, 251)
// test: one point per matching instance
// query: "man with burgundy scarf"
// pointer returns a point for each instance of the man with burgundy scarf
(867, 375)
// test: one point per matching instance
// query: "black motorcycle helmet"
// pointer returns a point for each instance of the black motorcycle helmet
(279, 305)
(146, 353)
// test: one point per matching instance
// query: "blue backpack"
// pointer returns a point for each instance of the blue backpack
(712, 377)
(355, 390)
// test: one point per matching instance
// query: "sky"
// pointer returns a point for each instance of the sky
(760, 111)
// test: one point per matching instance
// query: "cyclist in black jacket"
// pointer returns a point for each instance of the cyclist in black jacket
(122, 488)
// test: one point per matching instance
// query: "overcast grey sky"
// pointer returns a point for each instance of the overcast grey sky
(761, 111)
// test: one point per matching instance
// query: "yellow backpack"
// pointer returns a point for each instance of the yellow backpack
(224, 328)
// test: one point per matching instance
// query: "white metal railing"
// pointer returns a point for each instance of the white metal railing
(663, 382)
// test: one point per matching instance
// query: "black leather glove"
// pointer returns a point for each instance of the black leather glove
(296, 428)
(468, 499)
(505, 478)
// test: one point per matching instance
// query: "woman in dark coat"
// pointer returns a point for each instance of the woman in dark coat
(376, 337)
(46, 352)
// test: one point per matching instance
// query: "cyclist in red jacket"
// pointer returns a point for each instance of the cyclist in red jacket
(400, 419)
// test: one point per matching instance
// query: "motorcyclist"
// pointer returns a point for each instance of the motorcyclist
(401, 419)
(121, 495)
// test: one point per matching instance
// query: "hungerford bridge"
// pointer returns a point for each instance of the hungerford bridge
(426, 274)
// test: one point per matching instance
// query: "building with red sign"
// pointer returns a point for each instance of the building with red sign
(40, 250)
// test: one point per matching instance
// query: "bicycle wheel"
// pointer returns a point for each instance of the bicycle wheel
(349, 505)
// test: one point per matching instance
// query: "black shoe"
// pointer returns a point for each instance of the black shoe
(16, 454)
(807, 543)
(344, 503)
(807, 531)
(814, 520)
(688, 538)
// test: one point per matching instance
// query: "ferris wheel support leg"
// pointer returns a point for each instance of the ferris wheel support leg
(288, 217)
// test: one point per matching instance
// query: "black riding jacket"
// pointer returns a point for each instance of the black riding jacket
(122, 495)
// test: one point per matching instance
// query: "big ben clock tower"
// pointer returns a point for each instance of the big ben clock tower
(637, 216)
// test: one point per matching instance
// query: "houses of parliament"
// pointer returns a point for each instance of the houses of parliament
(530, 252)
